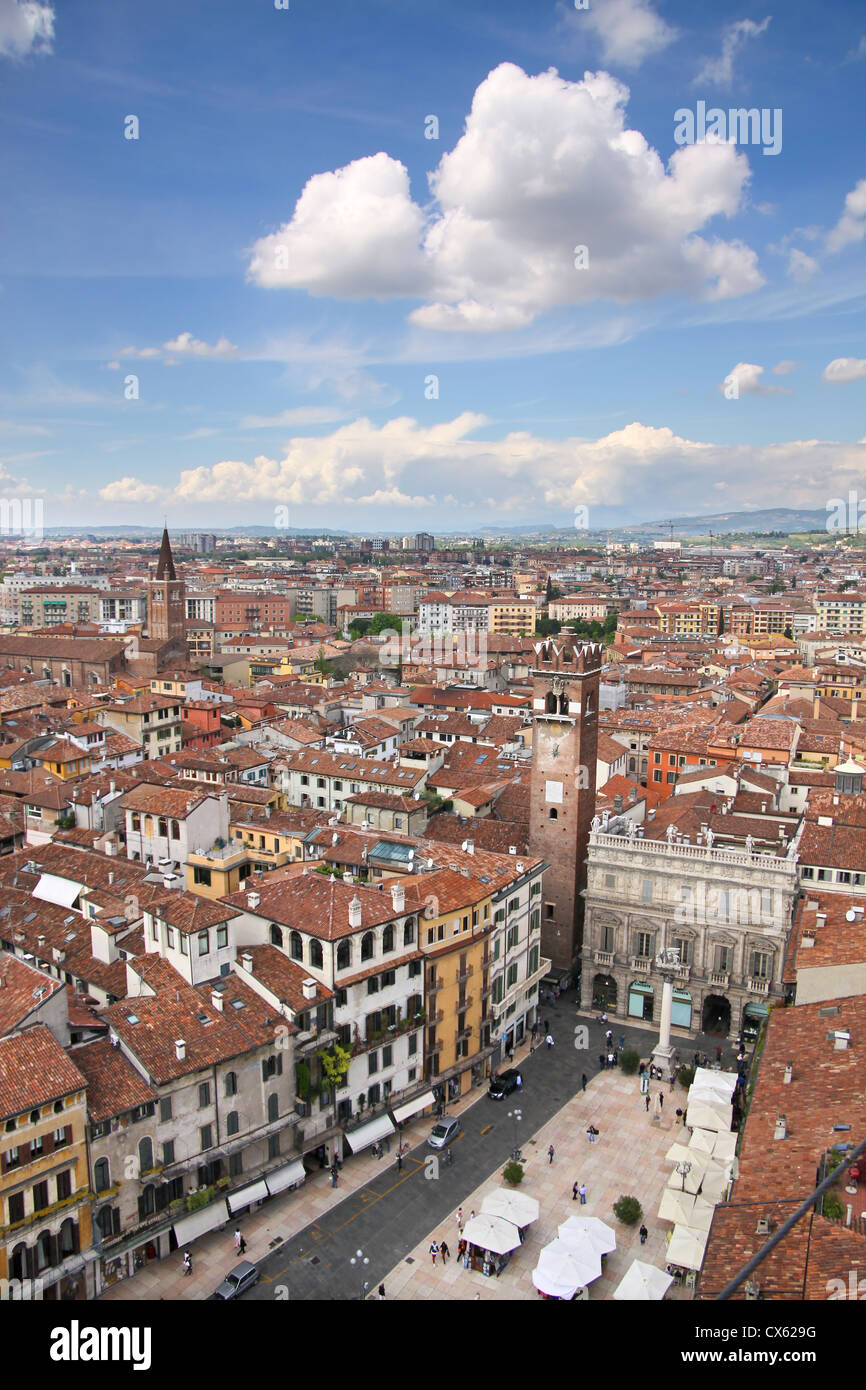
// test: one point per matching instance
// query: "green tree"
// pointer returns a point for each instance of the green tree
(359, 628)
(628, 1210)
(380, 622)
(513, 1172)
(547, 627)
(334, 1063)
(629, 1061)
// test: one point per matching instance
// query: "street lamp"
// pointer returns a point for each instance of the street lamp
(516, 1115)
(360, 1261)
(684, 1168)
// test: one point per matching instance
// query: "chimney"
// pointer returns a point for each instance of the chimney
(180, 1049)
(217, 1000)
(253, 900)
(355, 912)
(247, 962)
(398, 897)
(789, 1074)
(781, 1130)
(110, 877)
(309, 988)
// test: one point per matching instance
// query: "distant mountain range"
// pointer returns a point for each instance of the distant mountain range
(784, 519)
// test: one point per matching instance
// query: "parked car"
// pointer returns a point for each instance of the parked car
(443, 1132)
(237, 1281)
(504, 1083)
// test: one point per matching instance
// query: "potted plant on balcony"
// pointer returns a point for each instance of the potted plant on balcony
(334, 1065)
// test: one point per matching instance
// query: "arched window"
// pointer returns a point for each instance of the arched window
(550, 702)
(18, 1263)
(588, 707)
(233, 1123)
(409, 932)
(367, 946)
(553, 813)
(297, 946)
(273, 1107)
(388, 938)
(316, 957)
(145, 1155)
(231, 1083)
(563, 703)
(68, 1238)
(101, 1175)
(34, 1117)
(276, 935)
(175, 830)
(46, 1251)
(105, 1221)
(344, 955)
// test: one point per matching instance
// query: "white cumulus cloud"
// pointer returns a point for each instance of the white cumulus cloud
(630, 30)
(131, 490)
(545, 166)
(720, 71)
(851, 226)
(843, 370)
(747, 376)
(25, 27)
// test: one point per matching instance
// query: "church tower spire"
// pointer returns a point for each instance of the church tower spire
(166, 605)
(165, 564)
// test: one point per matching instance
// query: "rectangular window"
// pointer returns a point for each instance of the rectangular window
(762, 965)
(203, 1095)
(205, 1135)
(184, 946)
(722, 960)
(387, 1057)
(373, 984)
(236, 1164)
(203, 943)
(273, 1146)
(646, 890)
(168, 1152)
(64, 1185)
(40, 1196)
(413, 1044)
(372, 1063)
(644, 944)
(684, 946)
(16, 1207)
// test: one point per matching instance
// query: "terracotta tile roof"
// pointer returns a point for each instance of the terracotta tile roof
(485, 833)
(113, 1084)
(22, 989)
(315, 904)
(34, 1070)
(164, 801)
(181, 1012)
(283, 978)
(190, 912)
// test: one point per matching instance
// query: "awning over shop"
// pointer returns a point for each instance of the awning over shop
(256, 1192)
(751, 1010)
(198, 1223)
(286, 1177)
(60, 891)
(412, 1107)
(370, 1133)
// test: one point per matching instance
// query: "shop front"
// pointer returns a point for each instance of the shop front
(641, 997)
(754, 1017)
(681, 1009)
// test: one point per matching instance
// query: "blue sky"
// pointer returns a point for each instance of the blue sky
(324, 310)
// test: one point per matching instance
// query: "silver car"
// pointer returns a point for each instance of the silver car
(443, 1132)
(237, 1281)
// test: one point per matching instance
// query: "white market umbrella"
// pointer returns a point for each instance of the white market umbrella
(676, 1207)
(687, 1247)
(588, 1228)
(513, 1206)
(702, 1115)
(679, 1152)
(704, 1140)
(723, 1082)
(643, 1283)
(725, 1145)
(690, 1181)
(562, 1270)
(702, 1215)
(715, 1185)
(492, 1233)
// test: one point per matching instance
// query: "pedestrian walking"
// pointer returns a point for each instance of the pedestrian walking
(549, 1041)
(242, 1248)
(621, 1041)
(381, 1292)
(679, 1117)
(434, 1251)
(592, 1134)
(608, 1037)
(603, 1016)
(444, 1251)
(718, 1054)
(460, 1220)
(399, 1162)
(697, 1059)
(238, 1239)
(550, 1152)
(519, 1082)
(610, 1059)
(582, 1194)
(647, 1099)
(673, 1079)
(335, 1176)
(643, 1235)
(661, 1100)
(574, 1192)
(547, 1025)
(601, 1061)
(583, 1081)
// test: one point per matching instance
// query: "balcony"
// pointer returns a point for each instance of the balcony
(603, 958)
(315, 1038)
(756, 986)
(433, 986)
(640, 965)
(465, 1003)
(720, 978)
(433, 1049)
(465, 975)
(683, 973)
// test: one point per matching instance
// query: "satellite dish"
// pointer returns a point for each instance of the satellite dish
(850, 915)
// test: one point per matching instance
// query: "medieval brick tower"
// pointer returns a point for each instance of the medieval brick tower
(565, 691)
(166, 601)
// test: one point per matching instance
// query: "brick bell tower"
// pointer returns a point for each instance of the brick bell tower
(565, 691)
(166, 600)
